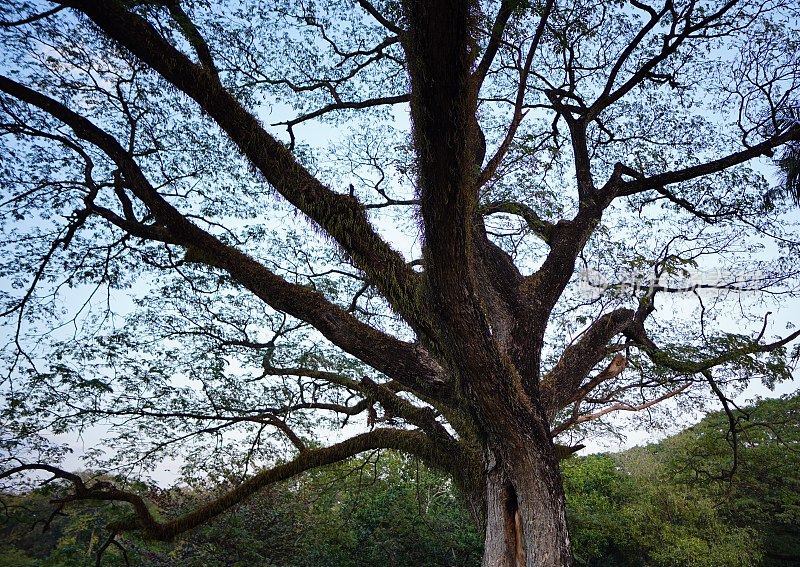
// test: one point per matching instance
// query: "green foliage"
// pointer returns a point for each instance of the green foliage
(670, 503)
(764, 494)
(595, 493)
(12, 557)
(381, 510)
(630, 514)
(387, 510)
(664, 505)
(36, 537)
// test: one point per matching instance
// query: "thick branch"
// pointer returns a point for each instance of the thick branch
(614, 369)
(380, 18)
(539, 293)
(708, 168)
(447, 141)
(561, 384)
(666, 360)
(192, 35)
(424, 418)
(495, 39)
(341, 216)
(404, 361)
(443, 106)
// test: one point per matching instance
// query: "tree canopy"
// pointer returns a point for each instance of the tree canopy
(469, 231)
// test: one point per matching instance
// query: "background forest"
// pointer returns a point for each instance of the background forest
(660, 505)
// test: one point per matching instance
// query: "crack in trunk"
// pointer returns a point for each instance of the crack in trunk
(515, 535)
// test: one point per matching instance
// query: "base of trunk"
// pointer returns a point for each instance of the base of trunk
(525, 514)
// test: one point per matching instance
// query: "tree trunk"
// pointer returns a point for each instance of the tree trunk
(525, 518)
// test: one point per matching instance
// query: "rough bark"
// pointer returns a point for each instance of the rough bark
(525, 522)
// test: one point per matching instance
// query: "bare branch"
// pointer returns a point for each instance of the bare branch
(733, 424)
(112, 540)
(621, 406)
(519, 102)
(634, 43)
(671, 42)
(346, 105)
(540, 227)
(192, 35)
(614, 369)
(32, 18)
(380, 18)
(562, 383)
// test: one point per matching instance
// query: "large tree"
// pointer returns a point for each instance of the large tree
(419, 279)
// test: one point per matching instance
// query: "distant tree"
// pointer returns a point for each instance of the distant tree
(36, 534)
(764, 493)
(661, 505)
(379, 510)
(206, 288)
(626, 510)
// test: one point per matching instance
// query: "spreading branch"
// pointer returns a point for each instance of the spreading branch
(540, 227)
(405, 361)
(620, 406)
(341, 216)
(143, 519)
(658, 182)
